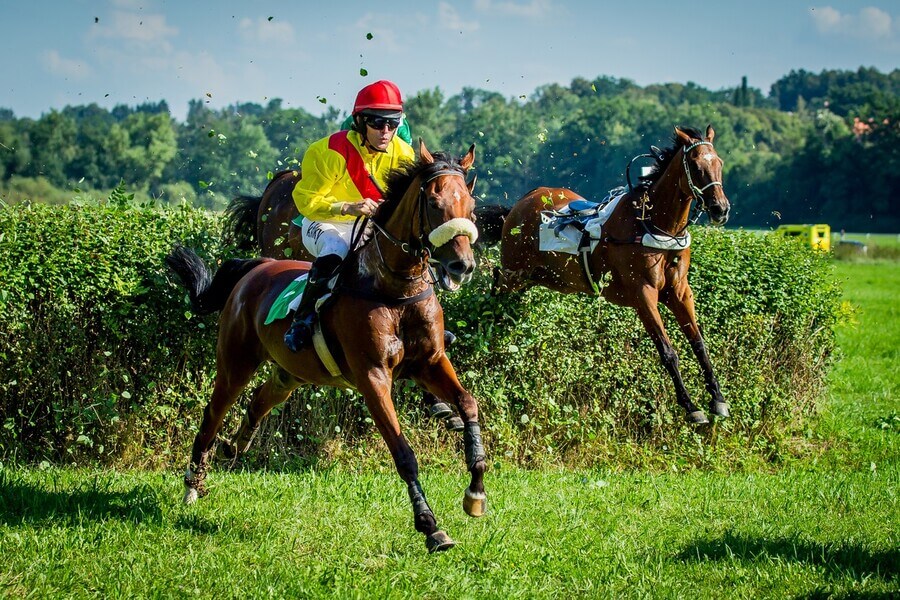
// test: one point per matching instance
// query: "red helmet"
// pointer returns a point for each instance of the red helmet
(382, 96)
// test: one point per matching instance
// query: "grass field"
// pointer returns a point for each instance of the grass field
(826, 524)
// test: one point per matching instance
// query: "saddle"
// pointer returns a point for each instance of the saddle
(576, 226)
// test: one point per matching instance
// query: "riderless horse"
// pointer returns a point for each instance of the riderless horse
(643, 249)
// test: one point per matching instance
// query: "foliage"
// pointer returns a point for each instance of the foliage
(819, 148)
(97, 358)
(101, 361)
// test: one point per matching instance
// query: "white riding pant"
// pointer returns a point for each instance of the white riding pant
(327, 237)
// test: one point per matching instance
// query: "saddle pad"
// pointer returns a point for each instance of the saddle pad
(553, 238)
(288, 300)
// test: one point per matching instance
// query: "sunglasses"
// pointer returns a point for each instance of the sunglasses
(380, 122)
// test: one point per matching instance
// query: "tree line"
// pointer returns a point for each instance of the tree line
(819, 147)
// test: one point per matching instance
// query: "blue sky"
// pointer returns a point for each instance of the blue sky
(112, 52)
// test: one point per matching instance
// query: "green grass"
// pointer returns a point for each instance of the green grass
(887, 240)
(826, 524)
(861, 425)
(343, 533)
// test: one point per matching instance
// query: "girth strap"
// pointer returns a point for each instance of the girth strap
(325, 355)
(586, 267)
(386, 301)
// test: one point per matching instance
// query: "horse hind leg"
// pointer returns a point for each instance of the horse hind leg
(265, 397)
(231, 379)
(438, 409)
(505, 281)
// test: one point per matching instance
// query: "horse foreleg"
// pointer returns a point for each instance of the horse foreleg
(273, 392)
(440, 379)
(682, 306)
(376, 389)
(648, 312)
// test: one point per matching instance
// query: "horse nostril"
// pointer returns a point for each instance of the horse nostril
(460, 267)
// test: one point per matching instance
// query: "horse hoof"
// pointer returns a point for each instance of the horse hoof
(439, 410)
(698, 417)
(719, 409)
(190, 496)
(225, 452)
(439, 541)
(454, 423)
(474, 503)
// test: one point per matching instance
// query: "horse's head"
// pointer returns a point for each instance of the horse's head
(703, 174)
(447, 216)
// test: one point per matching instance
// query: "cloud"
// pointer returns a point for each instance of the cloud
(135, 27)
(451, 19)
(869, 23)
(535, 9)
(66, 67)
(383, 36)
(264, 32)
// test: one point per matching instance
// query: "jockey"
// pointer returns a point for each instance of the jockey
(343, 178)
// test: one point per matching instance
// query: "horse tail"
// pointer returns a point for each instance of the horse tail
(239, 229)
(489, 221)
(208, 293)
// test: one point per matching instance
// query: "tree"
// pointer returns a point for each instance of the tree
(53, 140)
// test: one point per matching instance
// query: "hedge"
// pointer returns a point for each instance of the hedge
(102, 362)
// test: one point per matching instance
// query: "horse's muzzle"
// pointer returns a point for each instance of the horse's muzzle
(719, 212)
(454, 273)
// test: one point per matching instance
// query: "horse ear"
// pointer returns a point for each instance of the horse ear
(471, 184)
(710, 133)
(424, 153)
(685, 138)
(469, 159)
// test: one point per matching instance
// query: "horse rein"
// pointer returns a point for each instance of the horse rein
(420, 247)
(696, 193)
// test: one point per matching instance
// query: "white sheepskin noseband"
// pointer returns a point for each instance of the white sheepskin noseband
(452, 228)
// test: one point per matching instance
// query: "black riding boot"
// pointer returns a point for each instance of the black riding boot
(299, 335)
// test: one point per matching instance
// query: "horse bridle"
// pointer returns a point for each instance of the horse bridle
(423, 246)
(697, 209)
(695, 191)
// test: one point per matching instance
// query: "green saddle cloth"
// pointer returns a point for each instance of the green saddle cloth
(287, 300)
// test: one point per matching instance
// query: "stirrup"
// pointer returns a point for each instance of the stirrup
(299, 335)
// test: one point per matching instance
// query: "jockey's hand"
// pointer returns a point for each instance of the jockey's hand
(364, 208)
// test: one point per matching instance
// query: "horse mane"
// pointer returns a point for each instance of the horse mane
(662, 162)
(399, 180)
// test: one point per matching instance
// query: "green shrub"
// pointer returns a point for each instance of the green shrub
(102, 361)
(97, 358)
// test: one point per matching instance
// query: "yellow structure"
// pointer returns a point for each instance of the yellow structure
(817, 236)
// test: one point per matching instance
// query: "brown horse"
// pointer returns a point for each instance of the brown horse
(266, 224)
(654, 213)
(385, 323)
